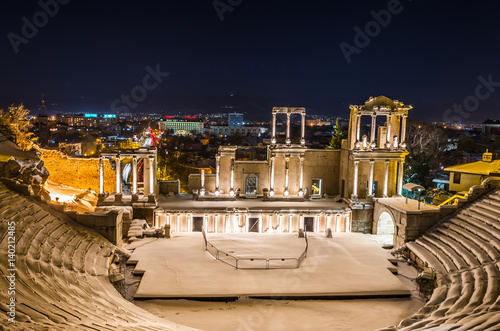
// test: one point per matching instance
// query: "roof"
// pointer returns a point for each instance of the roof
(478, 168)
(413, 187)
(186, 202)
(488, 121)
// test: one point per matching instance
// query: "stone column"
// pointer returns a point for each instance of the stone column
(386, 177)
(134, 174)
(273, 137)
(101, 175)
(403, 131)
(271, 182)
(373, 130)
(400, 177)
(370, 179)
(217, 172)
(358, 127)
(301, 220)
(152, 175)
(355, 182)
(118, 174)
(287, 171)
(388, 138)
(231, 191)
(288, 140)
(303, 129)
(301, 177)
(202, 179)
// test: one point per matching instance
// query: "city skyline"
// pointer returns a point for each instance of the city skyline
(87, 56)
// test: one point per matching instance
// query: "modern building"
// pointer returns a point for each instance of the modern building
(235, 119)
(87, 119)
(318, 122)
(243, 131)
(464, 176)
(491, 128)
(181, 127)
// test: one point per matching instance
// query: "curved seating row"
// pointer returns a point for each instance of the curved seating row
(464, 253)
(62, 274)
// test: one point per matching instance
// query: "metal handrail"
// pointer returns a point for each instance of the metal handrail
(240, 262)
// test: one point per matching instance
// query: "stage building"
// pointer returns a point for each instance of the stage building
(293, 187)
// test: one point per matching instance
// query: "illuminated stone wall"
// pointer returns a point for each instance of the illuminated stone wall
(82, 173)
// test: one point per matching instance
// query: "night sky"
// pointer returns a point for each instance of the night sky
(262, 54)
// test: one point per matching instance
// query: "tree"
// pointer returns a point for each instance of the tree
(426, 145)
(337, 136)
(14, 124)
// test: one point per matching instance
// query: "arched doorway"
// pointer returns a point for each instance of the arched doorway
(385, 228)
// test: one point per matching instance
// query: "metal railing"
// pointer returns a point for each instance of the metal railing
(452, 200)
(255, 262)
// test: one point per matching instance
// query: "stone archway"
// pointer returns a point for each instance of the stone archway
(385, 224)
(385, 227)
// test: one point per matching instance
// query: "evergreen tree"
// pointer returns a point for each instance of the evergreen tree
(337, 136)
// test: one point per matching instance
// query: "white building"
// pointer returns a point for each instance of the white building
(235, 119)
(181, 127)
(226, 131)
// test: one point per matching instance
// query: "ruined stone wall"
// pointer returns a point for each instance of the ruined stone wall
(324, 164)
(409, 225)
(321, 164)
(362, 220)
(81, 173)
(107, 223)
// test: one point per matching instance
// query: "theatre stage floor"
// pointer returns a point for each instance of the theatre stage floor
(349, 265)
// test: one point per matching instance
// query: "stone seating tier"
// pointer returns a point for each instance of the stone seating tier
(464, 253)
(62, 274)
